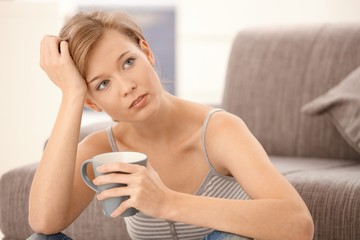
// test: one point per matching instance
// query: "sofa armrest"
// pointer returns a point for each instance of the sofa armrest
(14, 199)
(15, 188)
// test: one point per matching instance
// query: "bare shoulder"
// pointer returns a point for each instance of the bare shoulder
(228, 140)
(224, 127)
(95, 143)
(223, 123)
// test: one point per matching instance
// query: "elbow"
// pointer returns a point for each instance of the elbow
(297, 222)
(305, 227)
(44, 225)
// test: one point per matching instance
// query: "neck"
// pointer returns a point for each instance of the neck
(162, 126)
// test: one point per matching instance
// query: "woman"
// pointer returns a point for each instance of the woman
(207, 176)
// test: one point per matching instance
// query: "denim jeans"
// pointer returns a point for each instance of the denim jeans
(216, 235)
(58, 236)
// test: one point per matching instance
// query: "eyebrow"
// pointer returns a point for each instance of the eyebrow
(99, 76)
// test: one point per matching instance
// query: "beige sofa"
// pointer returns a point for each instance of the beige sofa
(284, 83)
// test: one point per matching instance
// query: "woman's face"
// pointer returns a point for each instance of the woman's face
(121, 78)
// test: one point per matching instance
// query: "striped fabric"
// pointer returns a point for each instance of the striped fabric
(141, 226)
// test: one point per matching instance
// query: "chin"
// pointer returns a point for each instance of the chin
(138, 115)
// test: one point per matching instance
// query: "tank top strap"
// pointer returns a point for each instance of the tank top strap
(203, 133)
(111, 138)
(114, 147)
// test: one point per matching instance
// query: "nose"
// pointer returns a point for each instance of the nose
(127, 87)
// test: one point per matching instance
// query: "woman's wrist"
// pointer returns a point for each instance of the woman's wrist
(170, 209)
(78, 95)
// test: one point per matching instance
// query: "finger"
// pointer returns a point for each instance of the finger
(64, 48)
(44, 48)
(49, 47)
(53, 45)
(121, 178)
(119, 167)
(114, 192)
(123, 207)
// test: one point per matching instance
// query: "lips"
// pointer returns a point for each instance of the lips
(137, 102)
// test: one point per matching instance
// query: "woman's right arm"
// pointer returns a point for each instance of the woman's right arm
(55, 201)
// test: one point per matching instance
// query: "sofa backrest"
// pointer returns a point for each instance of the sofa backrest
(273, 72)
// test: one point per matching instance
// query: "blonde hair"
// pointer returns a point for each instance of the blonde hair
(84, 29)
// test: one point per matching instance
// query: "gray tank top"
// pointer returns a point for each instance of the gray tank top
(144, 227)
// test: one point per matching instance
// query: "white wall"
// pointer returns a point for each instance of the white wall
(206, 29)
(28, 102)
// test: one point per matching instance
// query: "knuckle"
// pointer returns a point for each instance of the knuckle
(45, 38)
(134, 204)
(118, 165)
(45, 66)
(131, 202)
(142, 170)
(137, 194)
(141, 179)
(41, 64)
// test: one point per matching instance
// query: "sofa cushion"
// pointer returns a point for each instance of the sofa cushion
(330, 188)
(332, 196)
(272, 73)
(290, 165)
(342, 105)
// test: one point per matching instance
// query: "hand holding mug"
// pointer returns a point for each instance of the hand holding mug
(111, 204)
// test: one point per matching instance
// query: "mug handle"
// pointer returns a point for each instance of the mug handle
(85, 176)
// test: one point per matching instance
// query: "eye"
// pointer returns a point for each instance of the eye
(128, 63)
(103, 84)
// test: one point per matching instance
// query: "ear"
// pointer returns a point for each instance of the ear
(146, 49)
(92, 105)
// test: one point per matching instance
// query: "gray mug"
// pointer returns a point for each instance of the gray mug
(109, 205)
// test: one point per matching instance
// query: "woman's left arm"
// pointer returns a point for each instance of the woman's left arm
(275, 211)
